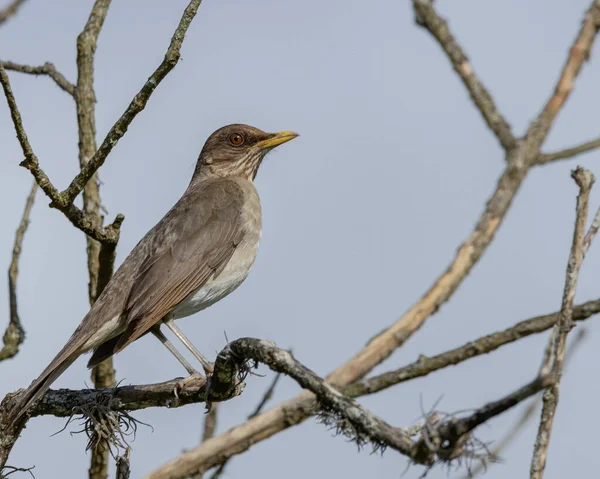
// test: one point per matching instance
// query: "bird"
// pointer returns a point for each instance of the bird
(198, 253)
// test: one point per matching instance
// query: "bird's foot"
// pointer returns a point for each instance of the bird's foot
(209, 368)
(180, 386)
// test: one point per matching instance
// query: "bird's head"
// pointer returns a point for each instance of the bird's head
(238, 150)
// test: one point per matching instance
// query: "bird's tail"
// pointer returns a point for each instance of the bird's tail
(39, 387)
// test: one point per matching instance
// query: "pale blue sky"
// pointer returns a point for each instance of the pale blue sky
(361, 213)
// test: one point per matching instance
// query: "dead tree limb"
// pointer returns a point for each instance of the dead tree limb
(47, 69)
(15, 333)
(569, 153)
(555, 353)
(10, 10)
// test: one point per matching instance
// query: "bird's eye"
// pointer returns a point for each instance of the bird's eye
(236, 139)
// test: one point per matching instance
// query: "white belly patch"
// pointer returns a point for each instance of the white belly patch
(211, 292)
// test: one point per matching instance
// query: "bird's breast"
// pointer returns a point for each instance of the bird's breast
(238, 267)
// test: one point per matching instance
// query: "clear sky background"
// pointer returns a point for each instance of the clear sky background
(361, 213)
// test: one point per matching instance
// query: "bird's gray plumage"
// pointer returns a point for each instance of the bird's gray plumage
(199, 252)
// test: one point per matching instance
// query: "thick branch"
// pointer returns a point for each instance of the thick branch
(85, 99)
(553, 362)
(136, 106)
(329, 398)
(46, 69)
(103, 375)
(569, 152)
(61, 402)
(428, 18)
(15, 334)
(9, 11)
(131, 398)
(123, 466)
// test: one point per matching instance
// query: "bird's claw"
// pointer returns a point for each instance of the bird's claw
(180, 386)
(209, 368)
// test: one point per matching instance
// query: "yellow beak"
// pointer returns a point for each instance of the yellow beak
(276, 139)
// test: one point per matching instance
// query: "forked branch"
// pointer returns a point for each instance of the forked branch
(47, 69)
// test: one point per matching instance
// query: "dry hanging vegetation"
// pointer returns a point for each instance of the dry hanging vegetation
(438, 438)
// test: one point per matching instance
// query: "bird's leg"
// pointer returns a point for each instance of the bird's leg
(163, 339)
(193, 374)
(207, 365)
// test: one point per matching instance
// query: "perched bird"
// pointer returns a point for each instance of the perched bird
(197, 254)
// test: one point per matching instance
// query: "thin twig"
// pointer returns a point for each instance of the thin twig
(589, 236)
(15, 334)
(265, 399)
(526, 415)
(553, 362)
(136, 106)
(9, 11)
(569, 152)
(427, 17)
(467, 424)
(210, 426)
(47, 69)
(210, 423)
(484, 345)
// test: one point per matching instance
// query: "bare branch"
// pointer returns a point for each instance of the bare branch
(11, 10)
(282, 361)
(123, 466)
(61, 402)
(210, 423)
(589, 236)
(578, 54)
(100, 257)
(75, 215)
(47, 69)
(85, 100)
(553, 362)
(266, 397)
(427, 17)
(453, 431)
(131, 398)
(136, 106)
(15, 334)
(569, 152)
(527, 414)
(484, 345)
(30, 158)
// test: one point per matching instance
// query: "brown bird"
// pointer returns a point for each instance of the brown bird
(197, 254)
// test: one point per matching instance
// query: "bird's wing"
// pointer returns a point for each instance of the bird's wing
(198, 240)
